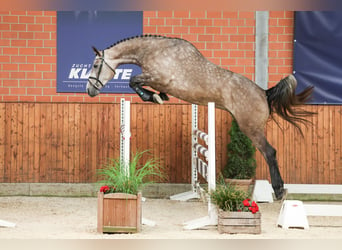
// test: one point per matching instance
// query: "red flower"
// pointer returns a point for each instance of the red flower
(104, 189)
(254, 210)
(246, 203)
(250, 206)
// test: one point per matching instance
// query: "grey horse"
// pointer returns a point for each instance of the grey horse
(176, 67)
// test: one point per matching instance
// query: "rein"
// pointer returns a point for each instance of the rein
(98, 84)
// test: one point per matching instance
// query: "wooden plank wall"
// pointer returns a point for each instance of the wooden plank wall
(314, 158)
(66, 142)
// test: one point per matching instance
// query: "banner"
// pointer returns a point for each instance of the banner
(318, 54)
(78, 31)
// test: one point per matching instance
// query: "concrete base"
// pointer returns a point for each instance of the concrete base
(157, 190)
(47, 189)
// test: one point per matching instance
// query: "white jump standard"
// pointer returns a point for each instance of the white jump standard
(206, 170)
(125, 135)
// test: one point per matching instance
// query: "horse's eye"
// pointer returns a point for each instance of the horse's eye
(95, 66)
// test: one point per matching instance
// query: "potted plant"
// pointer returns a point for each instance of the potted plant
(119, 198)
(236, 212)
(241, 164)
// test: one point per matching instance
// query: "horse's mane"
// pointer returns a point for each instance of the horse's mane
(140, 36)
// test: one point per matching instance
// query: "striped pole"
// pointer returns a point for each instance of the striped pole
(125, 134)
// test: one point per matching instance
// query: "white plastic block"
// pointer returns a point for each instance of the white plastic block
(4, 223)
(293, 215)
(148, 222)
(262, 191)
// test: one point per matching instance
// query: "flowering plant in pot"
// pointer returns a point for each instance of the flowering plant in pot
(119, 198)
(236, 212)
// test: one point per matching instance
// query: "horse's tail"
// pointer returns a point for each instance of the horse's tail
(283, 101)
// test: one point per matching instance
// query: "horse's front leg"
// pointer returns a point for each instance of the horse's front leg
(136, 84)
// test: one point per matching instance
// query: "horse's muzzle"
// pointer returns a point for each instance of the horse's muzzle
(92, 91)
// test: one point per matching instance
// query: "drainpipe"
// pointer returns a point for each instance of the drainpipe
(261, 48)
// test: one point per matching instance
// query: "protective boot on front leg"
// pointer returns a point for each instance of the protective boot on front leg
(145, 95)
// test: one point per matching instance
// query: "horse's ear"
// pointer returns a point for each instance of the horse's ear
(96, 51)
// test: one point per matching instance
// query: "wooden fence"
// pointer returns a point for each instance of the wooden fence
(314, 158)
(67, 142)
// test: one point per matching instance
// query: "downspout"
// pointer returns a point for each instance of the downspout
(261, 48)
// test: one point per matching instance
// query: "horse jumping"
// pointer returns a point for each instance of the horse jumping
(174, 66)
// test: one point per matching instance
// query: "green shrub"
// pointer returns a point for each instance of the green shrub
(241, 155)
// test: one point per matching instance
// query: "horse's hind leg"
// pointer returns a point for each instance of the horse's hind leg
(269, 154)
(277, 182)
(136, 83)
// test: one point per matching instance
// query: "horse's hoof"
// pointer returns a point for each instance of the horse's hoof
(157, 99)
(281, 195)
(285, 192)
(164, 96)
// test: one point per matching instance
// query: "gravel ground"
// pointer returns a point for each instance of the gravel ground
(75, 218)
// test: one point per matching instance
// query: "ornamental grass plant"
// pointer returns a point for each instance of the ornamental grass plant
(114, 179)
(228, 198)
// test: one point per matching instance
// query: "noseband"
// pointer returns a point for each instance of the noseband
(98, 84)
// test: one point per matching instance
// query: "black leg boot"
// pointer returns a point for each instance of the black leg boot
(147, 95)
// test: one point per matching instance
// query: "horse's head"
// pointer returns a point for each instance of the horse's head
(100, 74)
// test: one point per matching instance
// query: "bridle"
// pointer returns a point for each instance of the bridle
(98, 84)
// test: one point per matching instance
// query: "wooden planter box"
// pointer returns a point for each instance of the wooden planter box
(239, 222)
(119, 213)
(240, 184)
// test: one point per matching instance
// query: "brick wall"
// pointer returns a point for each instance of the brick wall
(28, 56)
(281, 31)
(28, 48)
(225, 38)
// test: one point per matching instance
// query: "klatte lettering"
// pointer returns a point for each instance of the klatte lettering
(84, 72)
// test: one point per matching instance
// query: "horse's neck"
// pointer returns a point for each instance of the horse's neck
(132, 48)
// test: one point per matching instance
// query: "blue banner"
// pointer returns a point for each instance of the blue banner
(78, 31)
(318, 54)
